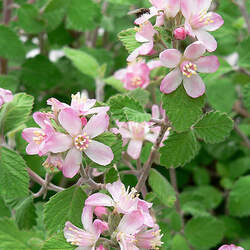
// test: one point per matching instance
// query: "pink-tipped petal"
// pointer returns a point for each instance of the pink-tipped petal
(40, 118)
(70, 121)
(71, 164)
(59, 143)
(134, 148)
(216, 22)
(99, 153)
(96, 125)
(100, 226)
(207, 39)
(194, 51)
(194, 86)
(170, 58)
(99, 199)
(207, 64)
(171, 81)
(160, 19)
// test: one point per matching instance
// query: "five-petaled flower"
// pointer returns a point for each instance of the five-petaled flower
(185, 68)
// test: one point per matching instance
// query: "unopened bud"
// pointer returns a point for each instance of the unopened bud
(100, 211)
(180, 33)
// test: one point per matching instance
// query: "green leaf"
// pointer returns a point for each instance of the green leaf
(83, 15)
(64, 206)
(162, 188)
(214, 127)
(4, 210)
(201, 176)
(83, 62)
(179, 149)
(111, 175)
(125, 108)
(246, 97)
(141, 95)
(57, 241)
(10, 45)
(182, 110)
(29, 20)
(39, 73)
(244, 57)
(8, 82)
(26, 214)
(179, 243)
(14, 179)
(204, 232)
(15, 113)
(115, 83)
(238, 203)
(127, 37)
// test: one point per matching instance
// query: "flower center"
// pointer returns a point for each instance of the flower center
(201, 19)
(137, 81)
(82, 141)
(188, 68)
(38, 137)
(78, 98)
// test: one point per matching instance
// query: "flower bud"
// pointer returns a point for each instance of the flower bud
(100, 211)
(180, 33)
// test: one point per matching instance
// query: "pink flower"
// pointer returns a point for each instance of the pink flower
(180, 33)
(122, 200)
(145, 35)
(79, 102)
(136, 133)
(136, 75)
(53, 161)
(185, 69)
(101, 247)
(198, 21)
(86, 239)
(45, 139)
(5, 96)
(100, 211)
(230, 247)
(81, 140)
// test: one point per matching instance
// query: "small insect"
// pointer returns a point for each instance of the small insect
(139, 12)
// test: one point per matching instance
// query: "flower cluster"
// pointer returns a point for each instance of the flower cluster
(194, 20)
(5, 96)
(123, 220)
(66, 134)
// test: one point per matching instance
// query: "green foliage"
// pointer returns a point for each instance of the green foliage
(127, 37)
(115, 83)
(126, 108)
(162, 188)
(182, 110)
(246, 96)
(15, 113)
(111, 175)
(179, 149)
(14, 179)
(204, 232)
(64, 206)
(141, 95)
(179, 242)
(4, 210)
(238, 204)
(244, 54)
(214, 127)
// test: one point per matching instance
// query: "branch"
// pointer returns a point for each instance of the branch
(244, 71)
(240, 110)
(149, 162)
(99, 92)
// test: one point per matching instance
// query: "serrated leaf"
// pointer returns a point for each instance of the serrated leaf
(64, 206)
(141, 95)
(204, 232)
(8, 82)
(26, 214)
(125, 108)
(115, 83)
(111, 175)
(15, 113)
(14, 179)
(214, 127)
(238, 203)
(57, 241)
(10, 46)
(179, 149)
(4, 210)
(162, 188)
(83, 62)
(182, 110)
(127, 37)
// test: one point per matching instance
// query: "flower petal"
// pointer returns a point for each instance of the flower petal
(99, 153)
(207, 39)
(145, 17)
(160, 19)
(87, 218)
(96, 125)
(70, 121)
(171, 81)
(71, 164)
(40, 118)
(59, 142)
(32, 149)
(202, 5)
(194, 50)
(133, 55)
(146, 48)
(29, 133)
(99, 199)
(187, 8)
(146, 33)
(207, 64)
(194, 86)
(134, 148)
(170, 58)
(216, 22)
(173, 7)
(115, 189)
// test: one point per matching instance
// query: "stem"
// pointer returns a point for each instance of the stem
(242, 135)
(173, 181)
(99, 92)
(149, 162)
(244, 71)
(240, 110)
(43, 190)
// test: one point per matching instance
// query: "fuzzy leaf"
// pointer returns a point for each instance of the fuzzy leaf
(127, 37)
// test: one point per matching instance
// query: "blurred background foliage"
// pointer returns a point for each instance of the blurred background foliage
(36, 57)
